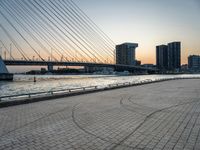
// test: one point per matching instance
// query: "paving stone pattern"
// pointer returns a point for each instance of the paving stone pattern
(159, 116)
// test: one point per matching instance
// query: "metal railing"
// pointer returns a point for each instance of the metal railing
(46, 93)
(88, 88)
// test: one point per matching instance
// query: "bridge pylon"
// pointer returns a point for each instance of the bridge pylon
(4, 74)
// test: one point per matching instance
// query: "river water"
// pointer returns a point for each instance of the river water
(23, 84)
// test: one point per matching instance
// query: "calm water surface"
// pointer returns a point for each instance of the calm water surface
(24, 83)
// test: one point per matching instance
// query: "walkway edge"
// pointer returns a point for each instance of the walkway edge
(52, 97)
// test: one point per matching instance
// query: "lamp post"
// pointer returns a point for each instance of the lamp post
(5, 54)
(51, 53)
(10, 51)
(1, 51)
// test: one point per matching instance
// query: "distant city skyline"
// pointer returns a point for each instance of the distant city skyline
(148, 23)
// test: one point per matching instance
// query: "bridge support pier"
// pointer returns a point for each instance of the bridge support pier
(50, 67)
(4, 74)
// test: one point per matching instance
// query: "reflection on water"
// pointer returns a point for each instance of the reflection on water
(25, 84)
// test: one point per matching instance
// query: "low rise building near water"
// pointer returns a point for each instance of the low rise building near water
(194, 63)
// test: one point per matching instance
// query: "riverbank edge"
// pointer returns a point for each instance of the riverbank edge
(4, 104)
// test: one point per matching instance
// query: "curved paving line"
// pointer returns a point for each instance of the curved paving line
(90, 133)
(183, 131)
(129, 99)
(29, 123)
(76, 123)
(74, 120)
(160, 123)
(146, 119)
(121, 142)
(132, 110)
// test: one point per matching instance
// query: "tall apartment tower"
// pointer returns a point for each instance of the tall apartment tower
(162, 57)
(125, 53)
(174, 55)
(168, 57)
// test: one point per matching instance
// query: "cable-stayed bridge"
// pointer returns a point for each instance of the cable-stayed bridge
(53, 33)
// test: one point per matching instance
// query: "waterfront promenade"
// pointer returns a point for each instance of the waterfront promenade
(163, 115)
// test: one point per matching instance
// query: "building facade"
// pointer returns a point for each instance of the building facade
(194, 62)
(168, 57)
(125, 53)
(174, 56)
(162, 57)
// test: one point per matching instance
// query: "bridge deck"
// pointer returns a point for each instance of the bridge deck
(54, 63)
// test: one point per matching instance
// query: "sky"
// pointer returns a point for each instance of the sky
(148, 23)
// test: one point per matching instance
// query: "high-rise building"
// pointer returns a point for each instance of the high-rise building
(168, 57)
(125, 53)
(162, 57)
(194, 62)
(174, 56)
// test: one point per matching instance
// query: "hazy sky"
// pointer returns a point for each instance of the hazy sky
(146, 22)
(149, 23)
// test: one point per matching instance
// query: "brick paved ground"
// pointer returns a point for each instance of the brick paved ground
(162, 115)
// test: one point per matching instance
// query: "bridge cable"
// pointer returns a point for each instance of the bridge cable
(89, 26)
(35, 22)
(77, 29)
(60, 30)
(46, 23)
(20, 34)
(80, 32)
(31, 26)
(92, 22)
(15, 43)
(87, 20)
(102, 40)
(77, 23)
(78, 16)
(27, 30)
(74, 29)
(58, 17)
(6, 49)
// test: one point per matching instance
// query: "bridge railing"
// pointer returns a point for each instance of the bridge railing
(54, 61)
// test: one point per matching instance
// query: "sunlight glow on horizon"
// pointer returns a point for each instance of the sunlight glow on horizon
(148, 23)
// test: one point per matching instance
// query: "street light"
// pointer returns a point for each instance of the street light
(5, 54)
(1, 51)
